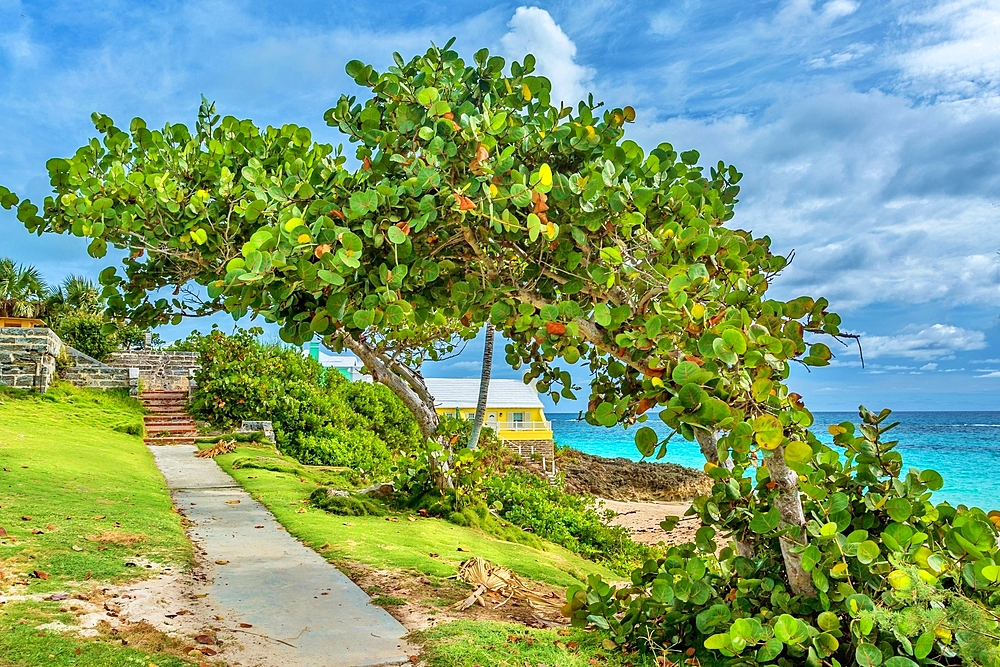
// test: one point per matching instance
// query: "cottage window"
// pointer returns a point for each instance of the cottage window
(517, 417)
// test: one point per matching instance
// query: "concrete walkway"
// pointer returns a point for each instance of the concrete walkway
(287, 591)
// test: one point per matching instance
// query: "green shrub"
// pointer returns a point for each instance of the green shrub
(360, 450)
(82, 331)
(898, 581)
(570, 520)
(346, 505)
(319, 418)
(378, 409)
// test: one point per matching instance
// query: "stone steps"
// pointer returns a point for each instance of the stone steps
(168, 422)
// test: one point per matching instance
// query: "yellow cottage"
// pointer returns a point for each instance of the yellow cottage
(513, 410)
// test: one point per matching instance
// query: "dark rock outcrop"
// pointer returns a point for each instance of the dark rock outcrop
(622, 479)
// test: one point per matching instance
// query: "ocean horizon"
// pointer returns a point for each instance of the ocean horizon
(963, 446)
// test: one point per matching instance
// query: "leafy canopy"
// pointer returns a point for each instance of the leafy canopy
(475, 199)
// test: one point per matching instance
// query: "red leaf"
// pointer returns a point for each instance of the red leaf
(205, 639)
(555, 328)
(464, 203)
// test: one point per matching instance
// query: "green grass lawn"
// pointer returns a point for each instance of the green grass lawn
(401, 544)
(470, 643)
(79, 500)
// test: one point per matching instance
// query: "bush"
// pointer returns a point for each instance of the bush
(319, 418)
(346, 505)
(532, 503)
(380, 410)
(82, 331)
(360, 450)
(899, 581)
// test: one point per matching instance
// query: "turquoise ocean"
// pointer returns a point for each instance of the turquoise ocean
(963, 446)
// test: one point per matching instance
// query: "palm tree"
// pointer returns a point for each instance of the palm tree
(484, 388)
(22, 290)
(78, 293)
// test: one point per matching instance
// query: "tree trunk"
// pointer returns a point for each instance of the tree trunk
(403, 382)
(484, 388)
(789, 506)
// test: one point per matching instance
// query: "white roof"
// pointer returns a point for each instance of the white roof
(331, 361)
(464, 393)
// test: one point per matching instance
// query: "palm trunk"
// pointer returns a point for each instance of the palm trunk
(484, 388)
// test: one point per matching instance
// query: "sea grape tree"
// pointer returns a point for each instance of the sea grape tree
(473, 200)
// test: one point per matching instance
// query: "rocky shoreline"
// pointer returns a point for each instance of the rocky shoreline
(623, 480)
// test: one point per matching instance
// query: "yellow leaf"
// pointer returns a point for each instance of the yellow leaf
(551, 230)
(493, 190)
(526, 92)
(292, 224)
(303, 238)
(900, 580)
(697, 311)
(836, 429)
(545, 175)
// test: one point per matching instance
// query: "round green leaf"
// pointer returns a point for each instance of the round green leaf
(718, 641)
(868, 655)
(932, 479)
(396, 235)
(899, 509)
(790, 630)
(868, 551)
(798, 452)
(646, 440)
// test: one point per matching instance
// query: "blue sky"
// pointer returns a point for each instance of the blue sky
(869, 133)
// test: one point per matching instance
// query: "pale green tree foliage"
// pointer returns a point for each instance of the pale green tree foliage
(475, 200)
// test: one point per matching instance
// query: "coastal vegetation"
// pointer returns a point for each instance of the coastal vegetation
(476, 200)
(319, 418)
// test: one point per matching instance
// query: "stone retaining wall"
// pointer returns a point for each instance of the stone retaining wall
(28, 357)
(28, 361)
(159, 371)
(85, 371)
(528, 447)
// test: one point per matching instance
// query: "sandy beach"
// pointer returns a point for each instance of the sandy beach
(642, 519)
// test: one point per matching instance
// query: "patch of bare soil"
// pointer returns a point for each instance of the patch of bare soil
(624, 480)
(169, 613)
(642, 520)
(420, 602)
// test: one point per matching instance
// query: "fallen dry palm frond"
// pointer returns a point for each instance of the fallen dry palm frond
(502, 585)
(218, 449)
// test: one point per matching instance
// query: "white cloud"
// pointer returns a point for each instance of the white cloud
(882, 201)
(991, 374)
(532, 30)
(929, 367)
(958, 52)
(939, 341)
